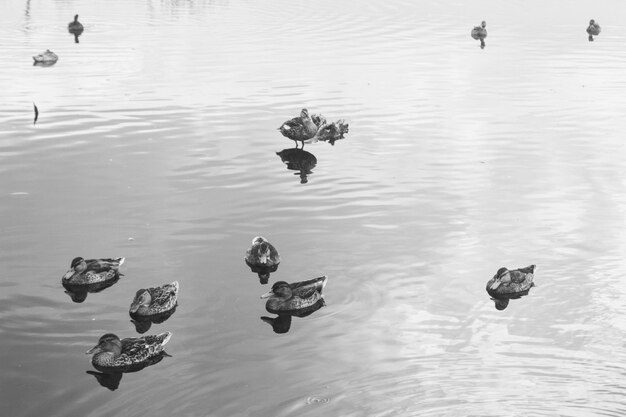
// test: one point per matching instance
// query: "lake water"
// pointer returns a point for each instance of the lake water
(157, 141)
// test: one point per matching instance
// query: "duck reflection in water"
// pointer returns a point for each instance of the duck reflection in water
(510, 284)
(111, 379)
(78, 293)
(298, 160)
(143, 323)
(480, 32)
(282, 322)
(113, 357)
(262, 258)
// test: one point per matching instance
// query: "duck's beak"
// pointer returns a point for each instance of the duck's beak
(496, 284)
(268, 294)
(95, 349)
(68, 274)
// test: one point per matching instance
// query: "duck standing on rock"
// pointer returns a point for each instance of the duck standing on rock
(300, 129)
(593, 29)
(92, 271)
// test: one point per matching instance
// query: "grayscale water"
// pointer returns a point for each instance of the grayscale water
(157, 141)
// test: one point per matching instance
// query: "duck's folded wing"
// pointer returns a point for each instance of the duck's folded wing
(307, 288)
(162, 295)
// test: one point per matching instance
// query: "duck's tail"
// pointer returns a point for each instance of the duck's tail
(324, 281)
(164, 338)
(120, 261)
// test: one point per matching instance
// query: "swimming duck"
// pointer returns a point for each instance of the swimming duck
(511, 282)
(153, 301)
(285, 297)
(593, 29)
(114, 354)
(47, 57)
(262, 257)
(480, 32)
(91, 271)
(75, 26)
(300, 129)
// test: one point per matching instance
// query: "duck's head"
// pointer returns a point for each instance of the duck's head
(483, 24)
(304, 113)
(258, 239)
(592, 22)
(75, 18)
(501, 303)
(142, 299)
(280, 289)
(78, 265)
(108, 343)
(502, 272)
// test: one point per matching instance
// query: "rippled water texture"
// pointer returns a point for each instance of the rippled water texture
(157, 141)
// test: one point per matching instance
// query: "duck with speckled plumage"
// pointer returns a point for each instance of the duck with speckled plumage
(510, 284)
(127, 355)
(92, 271)
(262, 258)
(155, 300)
(300, 129)
(297, 296)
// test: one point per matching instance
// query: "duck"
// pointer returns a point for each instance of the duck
(262, 257)
(47, 57)
(511, 283)
(114, 354)
(154, 301)
(92, 271)
(593, 29)
(75, 25)
(285, 297)
(480, 32)
(300, 129)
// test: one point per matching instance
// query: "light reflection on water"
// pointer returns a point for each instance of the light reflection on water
(157, 141)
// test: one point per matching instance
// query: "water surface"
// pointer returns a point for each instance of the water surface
(157, 141)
